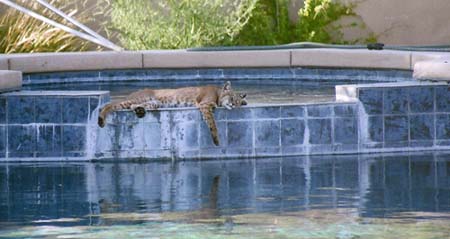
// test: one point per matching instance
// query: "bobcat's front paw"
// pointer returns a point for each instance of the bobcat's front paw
(101, 122)
(140, 111)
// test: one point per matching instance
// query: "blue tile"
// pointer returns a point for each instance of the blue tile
(205, 134)
(187, 134)
(21, 139)
(104, 99)
(126, 74)
(239, 113)
(123, 117)
(49, 143)
(372, 100)
(211, 73)
(266, 151)
(319, 131)
(443, 142)
(347, 148)
(319, 111)
(346, 130)
(75, 109)
(48, 110)
(2, 139)
(395, 101)
(2, 110)
(152, 136)
(421, 143)
(443, 126)
(74, 154)
(321, 149)
(375, 125)
(396, 144)
(292, 132)
(292, 111)
(74, 138)
(396, 128)
(240, 134)
(421, 127)
(345, 110)
(93, 103)
(20, 109)
(443, 99)
(267, 133)
(266, 112)
(293, 150)
(421, 99)
(63, 76)
(186, 115)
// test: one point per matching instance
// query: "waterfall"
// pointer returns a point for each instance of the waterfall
(92, 130)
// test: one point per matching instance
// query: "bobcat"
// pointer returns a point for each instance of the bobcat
(206, 98)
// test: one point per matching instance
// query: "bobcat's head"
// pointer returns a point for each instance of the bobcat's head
(230, 99)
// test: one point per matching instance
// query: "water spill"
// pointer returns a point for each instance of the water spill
(365, 196)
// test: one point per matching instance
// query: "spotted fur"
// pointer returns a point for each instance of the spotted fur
(206, 98)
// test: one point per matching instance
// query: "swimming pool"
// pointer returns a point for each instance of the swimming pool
(371, 196)
(257, 94)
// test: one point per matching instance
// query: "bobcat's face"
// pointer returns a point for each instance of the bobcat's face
(230, 99)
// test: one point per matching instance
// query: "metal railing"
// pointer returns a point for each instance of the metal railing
(90, 35)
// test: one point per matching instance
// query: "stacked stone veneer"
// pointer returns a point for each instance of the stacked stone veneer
(47, 125)
(382, 117)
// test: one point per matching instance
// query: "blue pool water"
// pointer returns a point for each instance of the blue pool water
(365, 196)
(259, 94)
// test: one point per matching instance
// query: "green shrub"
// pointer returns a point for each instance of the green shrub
(316, 17)
(174, 24)
(144, 24)
(22, 33)
(268, 25)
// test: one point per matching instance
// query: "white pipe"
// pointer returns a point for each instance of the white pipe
(76, 23)
(58, 25)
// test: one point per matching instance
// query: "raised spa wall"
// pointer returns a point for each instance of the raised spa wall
(380, 117)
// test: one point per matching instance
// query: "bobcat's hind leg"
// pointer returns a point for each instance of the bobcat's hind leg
(140, 109)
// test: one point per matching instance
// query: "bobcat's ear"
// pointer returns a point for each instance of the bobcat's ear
(243, 95)
(227, 86)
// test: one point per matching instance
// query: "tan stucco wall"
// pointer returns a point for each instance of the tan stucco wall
(411, 22)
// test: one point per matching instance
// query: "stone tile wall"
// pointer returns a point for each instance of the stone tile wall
(38, 125)
(403, 116)
(244, 132)
(383, 117)
(202, 75)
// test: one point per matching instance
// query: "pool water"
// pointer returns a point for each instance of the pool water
(257, 93)
(365, 196)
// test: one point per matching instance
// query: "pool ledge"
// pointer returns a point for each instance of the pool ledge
(172, 59)
(10, 80)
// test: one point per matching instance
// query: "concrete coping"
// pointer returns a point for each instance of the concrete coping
(73, 61)
(56, 93)
(10, 80)
(168, 59)
(349, 93)
(437, 69)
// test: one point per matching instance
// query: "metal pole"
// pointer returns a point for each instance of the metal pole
(58, 25)
(76, 23)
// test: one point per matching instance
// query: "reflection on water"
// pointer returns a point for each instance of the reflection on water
(308, 197)
(283, 92)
